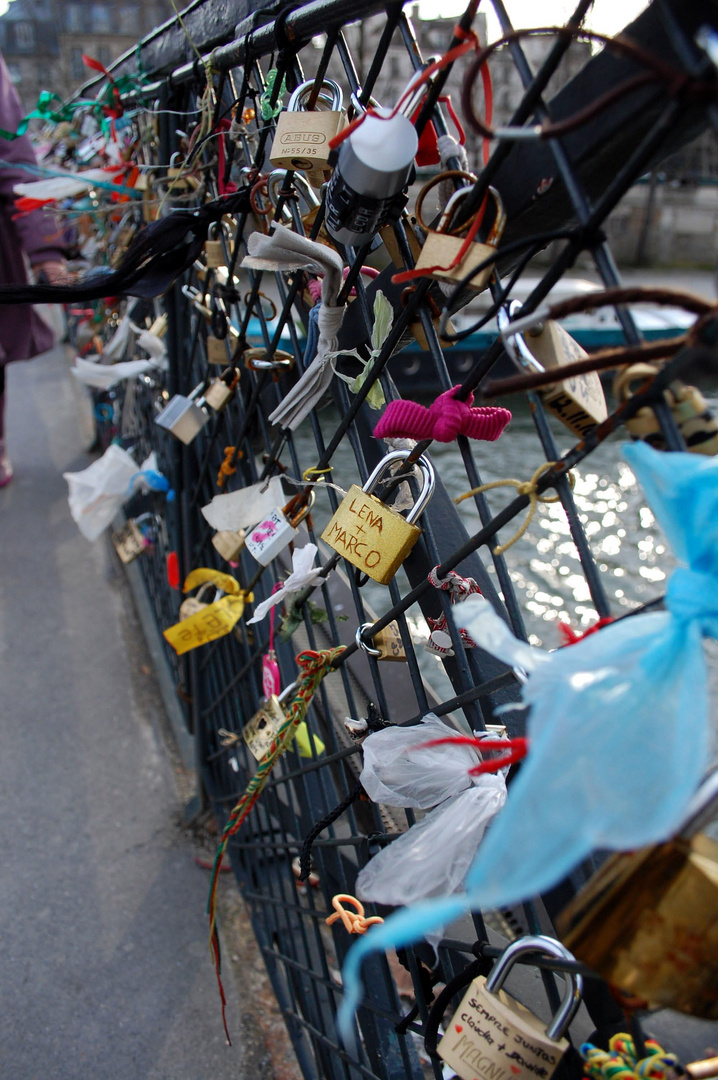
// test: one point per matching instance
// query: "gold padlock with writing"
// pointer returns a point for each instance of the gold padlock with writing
(578, 402)
(372, 536)
(442, 247)
(492, 1036)
(129, 541)
(301, 141)
(690, 411)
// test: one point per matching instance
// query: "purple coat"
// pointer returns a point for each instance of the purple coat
(22, 332)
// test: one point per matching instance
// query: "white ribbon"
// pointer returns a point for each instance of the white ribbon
(283, 249)
(303, 573)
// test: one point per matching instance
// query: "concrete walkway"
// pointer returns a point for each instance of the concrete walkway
(104, 966)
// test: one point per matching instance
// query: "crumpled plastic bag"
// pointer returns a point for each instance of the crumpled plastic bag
(432, 858)
(396, 773)
(97, 492)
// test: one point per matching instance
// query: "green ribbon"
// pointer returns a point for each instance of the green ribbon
(267, 110)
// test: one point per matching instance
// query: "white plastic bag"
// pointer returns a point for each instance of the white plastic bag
(98, 492)
(396, 773)
(433, 857)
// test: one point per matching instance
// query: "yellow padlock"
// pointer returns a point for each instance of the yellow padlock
(372, 536)
(441, 248)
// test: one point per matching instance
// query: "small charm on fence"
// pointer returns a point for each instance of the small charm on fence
(355, 922)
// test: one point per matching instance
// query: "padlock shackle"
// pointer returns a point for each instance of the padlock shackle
(428, 485)
(334, 96)
(514, 344)
(278, 177)
(303, 512)
(368, 649)
(547, 946)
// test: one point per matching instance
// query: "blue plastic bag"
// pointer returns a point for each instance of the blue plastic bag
(618, 730)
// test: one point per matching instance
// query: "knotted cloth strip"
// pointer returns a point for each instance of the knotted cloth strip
(446, 418)
(313, 667)
(283, 249)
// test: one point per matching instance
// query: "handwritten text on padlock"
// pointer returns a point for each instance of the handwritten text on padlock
(358, 531)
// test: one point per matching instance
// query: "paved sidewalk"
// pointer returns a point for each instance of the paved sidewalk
(104, 965)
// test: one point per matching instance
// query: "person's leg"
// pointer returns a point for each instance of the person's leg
(5, 466)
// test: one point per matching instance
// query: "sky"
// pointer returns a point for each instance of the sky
(606, 16)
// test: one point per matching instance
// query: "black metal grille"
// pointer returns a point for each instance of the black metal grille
(221, 683)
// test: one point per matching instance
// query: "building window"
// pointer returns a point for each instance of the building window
(73, 19)
(101, 19)
(15, 73)
(24, 36)
(79, 71)
(129, 19)
(104, 54)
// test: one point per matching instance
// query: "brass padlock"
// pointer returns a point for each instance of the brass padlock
(491, 1035)
(302, 137)
(192, 604)
(217, 350)
(385, 645)
(578, 402)
(441, 247)
(372, 536)
(690, 411)
(130, 541)
(647, 921)
(261, 730)
(221, 390)
(214, 249)
(386, 232)
(229, 544)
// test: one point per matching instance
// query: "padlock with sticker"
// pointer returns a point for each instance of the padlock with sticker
(690, 410)
(439, 257)
(221, 389)
(372, 536)
(184, 417)
(131, 540)
(302, 137)
(229, 544)
(276, 531)
(493, 1037)
(578, 402)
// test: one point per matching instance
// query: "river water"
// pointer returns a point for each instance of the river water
(627, 543)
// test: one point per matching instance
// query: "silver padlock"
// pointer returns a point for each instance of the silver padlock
(184, 417)
(302, 137)
(275, 532)
(540, 943)
(493, 1035)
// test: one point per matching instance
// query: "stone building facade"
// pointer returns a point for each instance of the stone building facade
(43, 40)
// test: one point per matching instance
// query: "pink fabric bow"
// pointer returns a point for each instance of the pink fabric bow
(443, 420)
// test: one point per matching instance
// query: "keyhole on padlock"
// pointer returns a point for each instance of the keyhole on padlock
(262, 724)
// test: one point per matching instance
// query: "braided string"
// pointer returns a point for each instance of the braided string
(313, 667)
